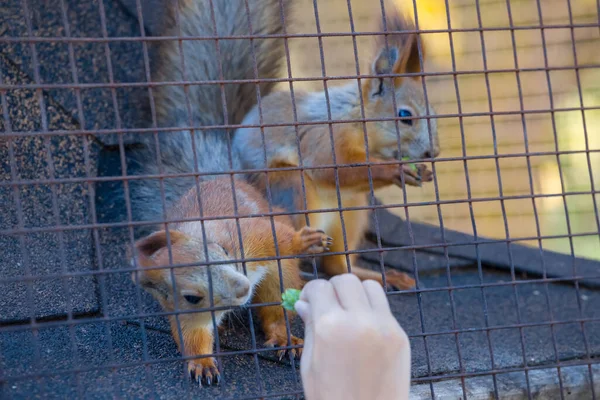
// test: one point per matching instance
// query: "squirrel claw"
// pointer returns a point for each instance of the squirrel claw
(281, 341)
(313, 241)
(282, 353)
(296, 353)
(204, 372)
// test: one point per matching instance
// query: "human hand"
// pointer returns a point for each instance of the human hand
(353, 346)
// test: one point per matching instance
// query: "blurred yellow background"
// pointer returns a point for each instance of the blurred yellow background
(545, 131)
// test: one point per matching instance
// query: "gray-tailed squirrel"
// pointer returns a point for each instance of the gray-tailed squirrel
(395, 54)
(203, 60)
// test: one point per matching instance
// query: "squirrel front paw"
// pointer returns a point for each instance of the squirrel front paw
(413, 175)
(313, 241)
(278, 340)
(204, 371)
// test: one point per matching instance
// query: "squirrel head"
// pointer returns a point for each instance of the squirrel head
(399, 54)
(189, 286)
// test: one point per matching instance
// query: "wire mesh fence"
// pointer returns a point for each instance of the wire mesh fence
(111, 134)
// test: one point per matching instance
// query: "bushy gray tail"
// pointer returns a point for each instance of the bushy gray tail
(201, 104)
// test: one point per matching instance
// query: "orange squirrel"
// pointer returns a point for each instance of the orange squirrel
(207, 150)
(187, 288)
(417, 140)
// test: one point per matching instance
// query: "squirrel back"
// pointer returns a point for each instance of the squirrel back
(201, 103)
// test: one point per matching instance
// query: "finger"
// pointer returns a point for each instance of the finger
(350, 292)
(377, 298)
(303, 310)
(320, 296)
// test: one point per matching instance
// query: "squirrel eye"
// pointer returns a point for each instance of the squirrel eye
(405, 114)
(193, 299)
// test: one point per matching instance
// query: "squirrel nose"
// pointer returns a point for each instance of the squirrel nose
(430, 154)
(241, 288)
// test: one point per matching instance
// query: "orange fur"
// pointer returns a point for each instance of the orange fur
(229, 285)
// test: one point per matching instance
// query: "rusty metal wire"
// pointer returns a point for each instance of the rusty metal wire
(105, 272)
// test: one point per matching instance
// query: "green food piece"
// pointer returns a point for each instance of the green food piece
(411, 165)
(290, 297)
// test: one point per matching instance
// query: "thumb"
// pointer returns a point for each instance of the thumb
(303, 310)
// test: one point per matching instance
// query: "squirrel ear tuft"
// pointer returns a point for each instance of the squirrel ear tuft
(409, 61)
(152, 243)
